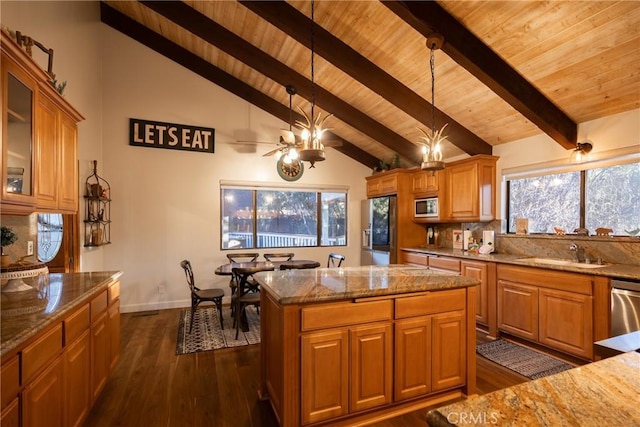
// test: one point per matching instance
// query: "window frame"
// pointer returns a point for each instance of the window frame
(623, 156)
(255, 187)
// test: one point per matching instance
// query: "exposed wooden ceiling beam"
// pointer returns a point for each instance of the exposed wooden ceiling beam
(217, 35)
(167, 48)
(297, 25)
(477, 58)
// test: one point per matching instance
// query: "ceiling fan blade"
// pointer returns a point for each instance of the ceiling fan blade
(271, 153)
(287, 136)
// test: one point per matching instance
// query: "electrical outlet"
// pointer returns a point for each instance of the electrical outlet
(161, 289)
(30, 247)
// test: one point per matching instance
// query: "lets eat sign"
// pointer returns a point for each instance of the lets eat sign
(147, 133)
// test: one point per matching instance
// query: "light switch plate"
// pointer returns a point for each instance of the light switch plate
(30, 247)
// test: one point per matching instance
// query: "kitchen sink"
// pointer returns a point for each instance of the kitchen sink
(562, 262)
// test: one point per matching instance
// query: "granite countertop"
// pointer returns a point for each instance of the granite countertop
(335, 284)
(617, 271)
(598, 394)
(26, 313)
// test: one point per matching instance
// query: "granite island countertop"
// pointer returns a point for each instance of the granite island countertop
(602, 393)
(616, 271)
(24, 314)
(335, 284)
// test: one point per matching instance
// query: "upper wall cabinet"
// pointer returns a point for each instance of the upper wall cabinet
(39, 138)
(426, 183)
(471, 189)
(383, 183)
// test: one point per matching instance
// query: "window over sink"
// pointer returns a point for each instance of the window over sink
(599, 194)
(262, 217)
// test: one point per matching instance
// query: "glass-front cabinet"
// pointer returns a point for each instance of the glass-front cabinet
(18, 104)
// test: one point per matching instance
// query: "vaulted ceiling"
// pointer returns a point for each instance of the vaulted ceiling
(507, 69)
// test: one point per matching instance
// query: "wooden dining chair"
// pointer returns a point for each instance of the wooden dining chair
(274, 257)
(335, 260)
(198, 295)
(247, 293)
(240, 257)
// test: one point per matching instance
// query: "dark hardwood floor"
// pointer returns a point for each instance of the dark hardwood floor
(151, 386)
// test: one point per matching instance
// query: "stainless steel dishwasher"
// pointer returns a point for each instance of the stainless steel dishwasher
(625, 307)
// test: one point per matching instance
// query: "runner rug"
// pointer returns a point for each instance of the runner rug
(207, 333)
(527, 362)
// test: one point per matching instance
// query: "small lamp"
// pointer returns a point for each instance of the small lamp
(579, 154)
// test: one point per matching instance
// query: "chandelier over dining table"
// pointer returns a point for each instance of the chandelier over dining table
(312, 149)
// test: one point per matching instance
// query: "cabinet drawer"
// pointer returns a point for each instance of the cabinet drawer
(434, 302)
(563, 281)
(114, 291)
(41, 352)
(343, 314)
(10, 379)
(76, 324)
(451, 264)
(415, 258)
(98, 305)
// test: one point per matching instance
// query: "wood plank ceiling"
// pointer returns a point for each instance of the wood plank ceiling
(507, 70)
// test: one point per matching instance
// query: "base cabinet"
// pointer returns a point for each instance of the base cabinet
(325, 375)
(518, 309)
(78, 385)
(42, 399)
(548, 307)
(353, 359)
(55, 378)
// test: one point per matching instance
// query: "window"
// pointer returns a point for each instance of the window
(273, 218)
(49, 236)
(604, 197)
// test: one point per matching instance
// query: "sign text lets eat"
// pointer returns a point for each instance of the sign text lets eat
(147, 133)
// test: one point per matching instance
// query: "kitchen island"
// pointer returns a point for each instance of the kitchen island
(603, 393)
(350, 345)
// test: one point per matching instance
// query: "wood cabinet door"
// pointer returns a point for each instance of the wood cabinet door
(42, 399)
(518, 309)
(114, 335)
(46, 154)
(463, 191)
(479, 271)
(325, 375)
(11, 414)
(425, 182)
(100, 359)
(77, 360)
(448, 350)
(412, 369)
(68, 170)
(566, 322)
(371, 366)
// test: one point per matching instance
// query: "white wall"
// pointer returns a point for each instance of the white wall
(609, 133)
(166, 203)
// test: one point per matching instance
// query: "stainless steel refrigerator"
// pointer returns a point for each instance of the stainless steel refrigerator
(378, 220)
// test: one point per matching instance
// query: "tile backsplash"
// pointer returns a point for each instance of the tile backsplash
(616, 250)
(26, 227)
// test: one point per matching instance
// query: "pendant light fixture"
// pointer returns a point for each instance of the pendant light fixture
(312, 149)
(431, 148)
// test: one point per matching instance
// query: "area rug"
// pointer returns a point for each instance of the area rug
(527, 362)
(207, 333)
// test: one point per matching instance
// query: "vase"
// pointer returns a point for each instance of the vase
(6, 262)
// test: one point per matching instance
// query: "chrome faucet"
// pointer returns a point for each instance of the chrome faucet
(579, 256)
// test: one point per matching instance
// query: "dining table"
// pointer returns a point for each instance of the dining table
(227, 269)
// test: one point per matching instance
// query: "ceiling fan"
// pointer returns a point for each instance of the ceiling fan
(289, 141)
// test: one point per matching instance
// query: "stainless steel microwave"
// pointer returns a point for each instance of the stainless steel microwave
(426, 208)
